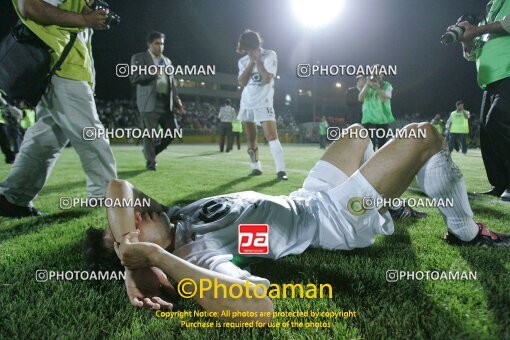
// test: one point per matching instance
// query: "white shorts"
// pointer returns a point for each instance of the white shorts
(343, 222)
(257, 115)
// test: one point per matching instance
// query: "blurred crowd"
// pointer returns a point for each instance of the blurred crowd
(199, 118)
(202, 119)
(118, 113)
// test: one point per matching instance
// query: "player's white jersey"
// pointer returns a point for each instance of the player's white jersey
(207, 230)
(255, 94)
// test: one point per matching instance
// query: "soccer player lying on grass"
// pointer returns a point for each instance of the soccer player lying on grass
(325, 213)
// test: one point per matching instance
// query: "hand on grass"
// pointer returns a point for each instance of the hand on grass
(145, 286)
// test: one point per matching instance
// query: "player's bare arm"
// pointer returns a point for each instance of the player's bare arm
(380, 92)
(123, 220)
(120, 219)
(265, 75)
(245, 76)
(145, 285)
(363, 91)
(139, 255)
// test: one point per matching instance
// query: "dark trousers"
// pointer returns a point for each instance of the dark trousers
(237, 137)
(152, 147)
(225, 131)
(16, 137)
(322, 141)
(453, 138)
(353, 115)
(377, 142)
(495, 133)
(5, 144)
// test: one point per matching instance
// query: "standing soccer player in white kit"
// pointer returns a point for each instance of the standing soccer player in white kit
(257, 70)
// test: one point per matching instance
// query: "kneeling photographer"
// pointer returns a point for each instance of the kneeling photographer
(376, 108)
(67, 105)
(488, 43)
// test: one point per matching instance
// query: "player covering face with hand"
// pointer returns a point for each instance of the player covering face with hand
(257, 70)
(324, 213)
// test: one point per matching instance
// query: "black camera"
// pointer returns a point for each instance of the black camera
(112, 19)
(457, 31)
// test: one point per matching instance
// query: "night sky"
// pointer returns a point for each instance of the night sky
(430, 77)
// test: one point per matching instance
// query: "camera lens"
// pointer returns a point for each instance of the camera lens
(452, 35)
(113, 20)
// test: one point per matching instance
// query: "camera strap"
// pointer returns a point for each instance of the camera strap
(63, 57)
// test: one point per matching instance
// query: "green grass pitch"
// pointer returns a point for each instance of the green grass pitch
(477, 309)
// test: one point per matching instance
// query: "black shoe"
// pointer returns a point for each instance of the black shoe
(7, 209)
(505, 196)
(151, 166)
(492, 192)
(282, 176)
(404, 213)
(9, 159)
(256, 172)
(484, 239)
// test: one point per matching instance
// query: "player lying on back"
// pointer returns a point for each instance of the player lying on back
(325, 213)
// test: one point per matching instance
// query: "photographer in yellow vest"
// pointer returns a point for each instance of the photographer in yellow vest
(65, 109)
(458, 127)
(28, 116)
(237, 129)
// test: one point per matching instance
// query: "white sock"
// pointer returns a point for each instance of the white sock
(369, 152)
(277, 152)
(256, 165)
(441, 178)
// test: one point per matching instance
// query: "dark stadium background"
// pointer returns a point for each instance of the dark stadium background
(430, 78)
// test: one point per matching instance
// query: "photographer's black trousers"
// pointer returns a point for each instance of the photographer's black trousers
(5, 145)
(374, 133)
(495, 133)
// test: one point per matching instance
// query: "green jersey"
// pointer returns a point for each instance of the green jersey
(374, 110)
(323, 128)
(459, 122)
(237, 125)
(439, 125)
(492, 51)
